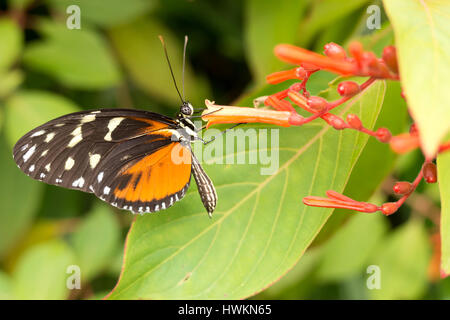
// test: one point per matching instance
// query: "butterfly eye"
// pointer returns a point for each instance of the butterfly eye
(187, 109)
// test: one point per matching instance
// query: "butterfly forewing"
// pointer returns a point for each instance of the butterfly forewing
(94, 151)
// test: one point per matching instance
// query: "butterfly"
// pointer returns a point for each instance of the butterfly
(135, 160)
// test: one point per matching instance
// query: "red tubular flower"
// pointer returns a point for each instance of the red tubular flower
(296, 55)
(280, 76)
(339, 201)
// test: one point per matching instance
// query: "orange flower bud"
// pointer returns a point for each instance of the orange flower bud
(354, 121)
(429, 172)
(334, 51)
(383, 135)
(390, 58)
(348, 88)
(389, 208)
(403, 187)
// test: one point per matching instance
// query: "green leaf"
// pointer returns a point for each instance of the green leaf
(5, 287)
(95, 241)
(16, 214)
(9, 82)
(140, 50)
(269, 23)
(79, 59)
(346, 253)
(443, 163)
(403, 259)
(422, 39)
(41, 272)
(260, 228)
(29, 109)
(325, 13)
(106, 13)
(11, 43)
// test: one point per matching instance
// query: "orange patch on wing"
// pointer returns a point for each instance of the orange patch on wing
(153, 124)
(158, 175)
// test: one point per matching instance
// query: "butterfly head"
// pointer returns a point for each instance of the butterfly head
(186, 109)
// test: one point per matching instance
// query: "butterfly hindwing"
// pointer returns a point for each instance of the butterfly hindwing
(73, 151)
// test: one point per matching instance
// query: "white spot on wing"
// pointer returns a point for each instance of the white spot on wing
(42, 176)
(31, 169)
(77, 137)
(106, 190)
(38, 133)
(94, 159)
(24, 147)
(88, 118)
(78, 183)
(100, 177)
(112, 125)
(49, 137)
(44, 153)
(59, 125)
(69, 163)
(29, 153)
(47, 167)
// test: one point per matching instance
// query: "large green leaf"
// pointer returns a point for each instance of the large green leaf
(96, 241)
(29, 109)
(422, 38)
(79, 59)
(41, 272)
(140, 50)
(443, 162)
(106, 13)
(11, 43)
(403, 260)
(269, 23)
(260, 228)
(21, 196)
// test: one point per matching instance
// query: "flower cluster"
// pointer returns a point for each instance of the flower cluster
(336, 60)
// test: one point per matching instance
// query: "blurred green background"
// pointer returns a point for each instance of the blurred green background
(116, 60)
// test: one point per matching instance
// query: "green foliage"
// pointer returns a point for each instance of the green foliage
(269, 23)
(11, 43)
(423, 35)
(41, 272)
(16, 214)
(31, 109)
(106, 13)
(261, 239)
(443, 162)
(403, 260)
(95, 241)
(144, 59)
(78, 59)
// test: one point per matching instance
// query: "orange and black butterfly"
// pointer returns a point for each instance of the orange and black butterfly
(135, 160)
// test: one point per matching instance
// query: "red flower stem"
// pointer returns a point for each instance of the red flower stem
(415, 183)
(336, 103)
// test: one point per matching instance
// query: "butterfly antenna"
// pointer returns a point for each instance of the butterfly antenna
(170, 67)
(184, 60)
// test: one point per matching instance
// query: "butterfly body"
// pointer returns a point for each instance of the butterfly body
(135, 160)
